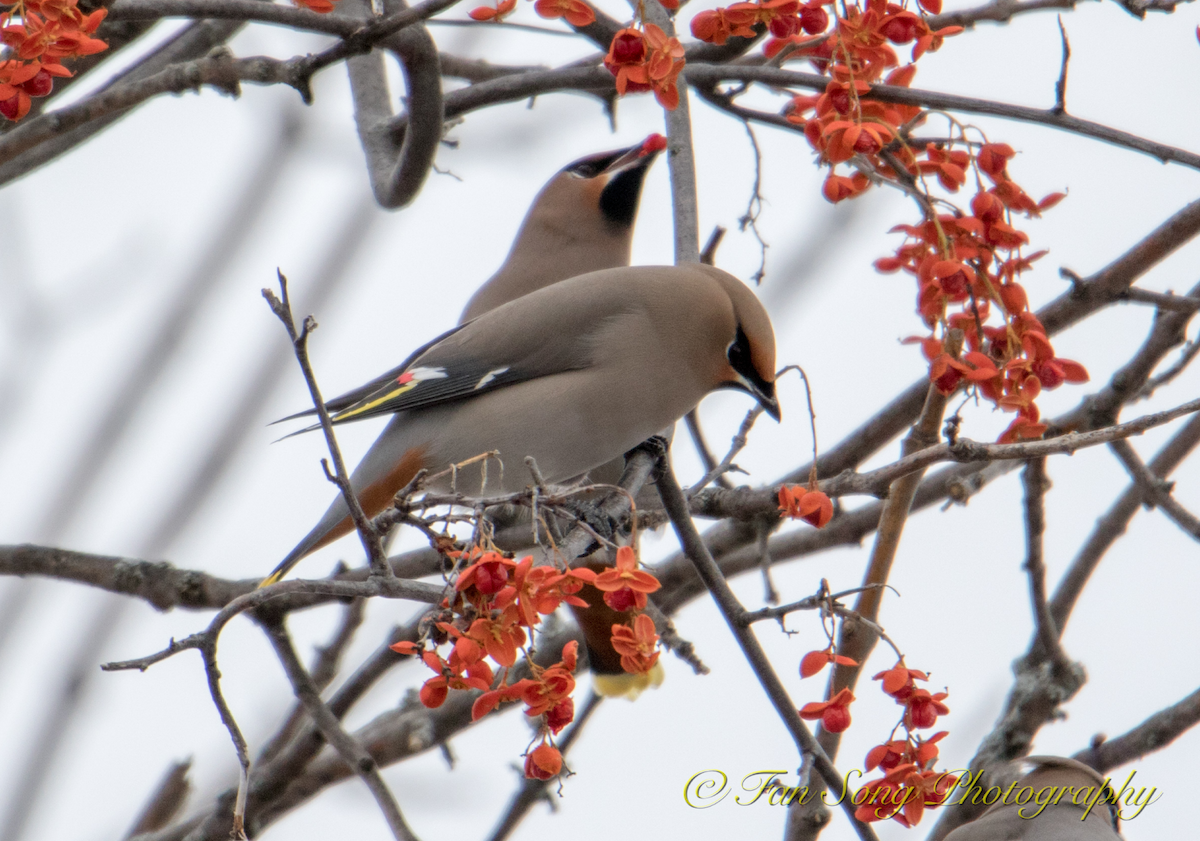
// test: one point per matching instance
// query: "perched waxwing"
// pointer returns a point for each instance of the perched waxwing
(1067, 787)
(581, 221)
(574, 374)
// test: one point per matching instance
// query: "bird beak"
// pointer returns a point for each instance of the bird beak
(764, 393)
(770, 404)
(637, 157)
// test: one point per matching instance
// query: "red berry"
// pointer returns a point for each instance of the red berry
(814, 20)
(8, 107)
(39, 85)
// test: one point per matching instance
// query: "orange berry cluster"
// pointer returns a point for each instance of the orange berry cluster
(646, 59)
(967, 265)
(37, 36)
(497, 603)
(811, 506)
(968, 269)
(909, 784)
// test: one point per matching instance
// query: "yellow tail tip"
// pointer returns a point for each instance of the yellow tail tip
(627, 685)
(273, 578)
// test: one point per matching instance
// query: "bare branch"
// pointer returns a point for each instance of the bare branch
(221, 71)
(681, 157)
(1162, 300)
(997, 11)
(692, 420)
(192, 42)
(347, 747)
(166, 800)
(367, 534)
(1060, 87)
(1156, 492)
(1155, 733)
(1045, 634)
(740, 439)
(1138, 8)
(708, 75)
(398, 166)
(531, 789)
(734, 614)
(323, 672)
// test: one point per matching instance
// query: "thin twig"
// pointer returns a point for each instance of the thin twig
(731, 609)
(533, 790)
(754, 207)
(367, 534)
(1036, 484)
(708, 255)
(740, 439)
(323, 672)
(1060, 87)
(692, 420)
(1163, 300)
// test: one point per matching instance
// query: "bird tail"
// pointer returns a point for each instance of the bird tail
(294, 557)
(333, 525)
(627, 685)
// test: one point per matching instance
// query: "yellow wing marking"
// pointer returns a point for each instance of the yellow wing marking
(366, 407)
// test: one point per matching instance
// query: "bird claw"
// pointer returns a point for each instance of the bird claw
(592, 515)
(655, 445)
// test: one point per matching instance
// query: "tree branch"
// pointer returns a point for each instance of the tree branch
(735, 616)
(371, 539)
(1155, 733)
(398, 166)
(1156, 493)
(348, 748)
(1045, 634)
(710, 75)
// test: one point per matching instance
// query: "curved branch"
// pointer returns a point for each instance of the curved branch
(289, 16)
(398, 166)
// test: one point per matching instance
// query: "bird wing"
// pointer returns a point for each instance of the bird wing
(355, 395)
(472, 359)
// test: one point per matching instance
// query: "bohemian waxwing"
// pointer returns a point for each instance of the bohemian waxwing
(581, 221)
(1067, 786)
(574, 374)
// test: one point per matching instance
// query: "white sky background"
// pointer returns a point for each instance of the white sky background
(103, 237)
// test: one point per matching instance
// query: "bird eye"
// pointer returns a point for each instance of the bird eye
(738, 354)
(593, 165)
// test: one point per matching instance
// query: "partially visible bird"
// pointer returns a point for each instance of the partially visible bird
(574, 374)
(1067, 786)
(580, 222)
